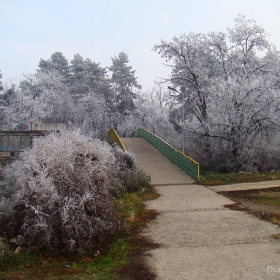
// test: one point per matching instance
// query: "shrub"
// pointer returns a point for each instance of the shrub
(61, 191)
(136, 179)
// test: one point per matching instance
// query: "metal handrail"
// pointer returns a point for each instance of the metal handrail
(187, 164)
(113, 137)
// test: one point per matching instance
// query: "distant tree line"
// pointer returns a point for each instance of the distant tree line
(222, 95)
(80, 93)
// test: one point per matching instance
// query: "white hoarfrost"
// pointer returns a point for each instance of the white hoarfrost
(62, 190)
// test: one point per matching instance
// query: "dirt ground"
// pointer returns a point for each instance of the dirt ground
(262, 202)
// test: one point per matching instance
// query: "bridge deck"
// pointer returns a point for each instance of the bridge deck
(158, 166)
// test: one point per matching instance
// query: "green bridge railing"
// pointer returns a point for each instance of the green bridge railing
(187, 164)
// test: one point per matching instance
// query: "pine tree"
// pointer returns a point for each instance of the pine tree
(123, 81)
(57, 62)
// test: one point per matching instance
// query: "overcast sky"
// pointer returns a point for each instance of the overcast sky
(101, 29)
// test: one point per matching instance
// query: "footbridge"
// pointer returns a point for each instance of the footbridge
(199, 238)
(164, 163)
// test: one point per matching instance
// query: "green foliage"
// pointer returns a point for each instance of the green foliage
(12, 261)
(87, 76)
(261, 199)
(129, 205)
(104, 264)
(57, 62)
(123, 81)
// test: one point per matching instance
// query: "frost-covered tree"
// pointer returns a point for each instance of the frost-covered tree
(1, 86)
(92, 115)
(80, 93)
(123, 81)
(229, 83)
(192, 69)
(245, 103)
(6, 100)
(9, 104)
(151, 113)
(242, 116)
(46, 98)
(160, 96)
(56, 101)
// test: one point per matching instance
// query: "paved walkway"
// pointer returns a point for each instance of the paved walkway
(162, 170)
(246, 186)
(201, 239)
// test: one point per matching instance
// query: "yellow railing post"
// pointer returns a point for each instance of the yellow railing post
(113, 137)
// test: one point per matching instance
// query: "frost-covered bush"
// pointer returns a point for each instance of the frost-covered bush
(136, 179)
(61, 191)
(125, 160)
(133, 178)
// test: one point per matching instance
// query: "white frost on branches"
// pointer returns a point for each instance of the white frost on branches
(61, 190)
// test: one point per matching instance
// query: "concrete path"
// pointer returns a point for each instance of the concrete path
(246, 186)
(201, 239)
(162, 170)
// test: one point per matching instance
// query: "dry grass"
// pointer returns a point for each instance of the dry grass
(120, 259)
(214, 179)
(262, 203)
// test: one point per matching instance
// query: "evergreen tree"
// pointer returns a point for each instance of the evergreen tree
(57, 62)
(88, 77)
(123, 81)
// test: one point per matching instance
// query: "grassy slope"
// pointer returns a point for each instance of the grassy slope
(213, 179)
(101, 262)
